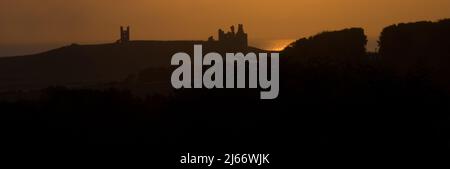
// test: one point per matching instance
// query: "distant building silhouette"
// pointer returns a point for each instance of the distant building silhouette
(230, 39)
(235, 39)
(124, 35)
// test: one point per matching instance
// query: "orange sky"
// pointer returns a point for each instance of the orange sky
(82, 21)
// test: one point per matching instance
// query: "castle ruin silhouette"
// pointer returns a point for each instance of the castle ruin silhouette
(124, 35)
(231, 39)
(238, 39)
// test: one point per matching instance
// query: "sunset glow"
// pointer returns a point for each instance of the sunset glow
(84, 21)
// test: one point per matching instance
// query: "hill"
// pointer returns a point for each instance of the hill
(86, 65)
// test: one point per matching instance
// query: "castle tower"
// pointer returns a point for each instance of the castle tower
(240, 29)
(221, 35)
(241, 36)
(232, 30)
(124, 35)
